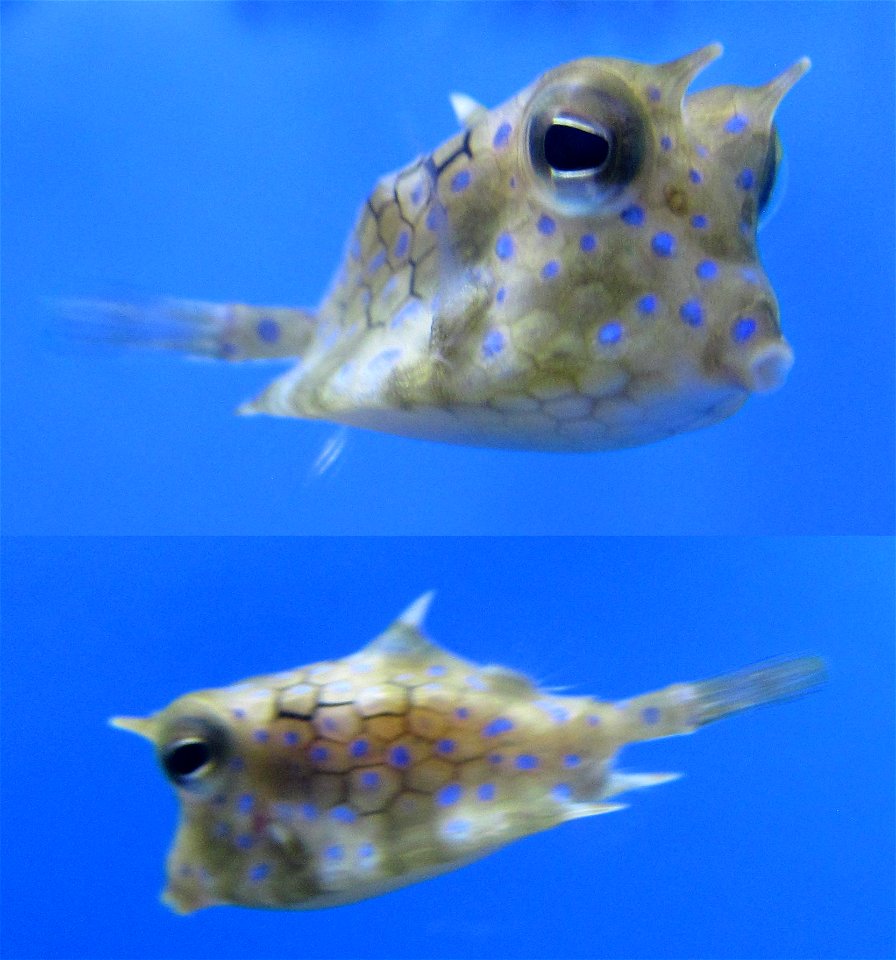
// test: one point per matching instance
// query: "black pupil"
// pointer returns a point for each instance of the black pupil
(186, 758)
(568, 149)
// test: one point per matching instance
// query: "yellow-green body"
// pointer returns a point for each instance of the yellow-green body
(344, 779)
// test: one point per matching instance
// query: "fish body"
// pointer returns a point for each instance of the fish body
(348, 778)
(575, 269)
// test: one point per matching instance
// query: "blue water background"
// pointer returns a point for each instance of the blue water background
(221, 151)
(778, 842)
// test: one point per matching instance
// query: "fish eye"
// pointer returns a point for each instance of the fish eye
(195, 751)
(585, 145)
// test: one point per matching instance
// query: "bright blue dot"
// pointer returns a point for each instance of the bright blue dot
(546, 225)
(268, 330)
(446, 746)
(400, 756)
(699, 221)
(647, 303)
(572, 760)
(258, 872)
(608, 334)
(290, 738)
(370, 779)
(502, 135)
(309, 811)
(334, 852)
(561, 792)
(696, 176)
(736, 123)
(245, 803)
(550, 269)
(319, 754)
(461, 713)
(492, 343)
(691, 312)
(244, 841)
(343, 814)
(416, 197)
(650, 715)
(663, 244)
(486, 791)
(743, 329)
(460, 181)
(633, 216)
(496, 726)
(745, 179)
(706, 270)
(359, 748)
(366, 851)
(402, 243)
(587, 242)
(501, 295)
(449, 794)
(526, 761)
(666, 143)
(504, 246)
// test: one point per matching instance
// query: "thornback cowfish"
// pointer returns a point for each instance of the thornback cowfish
(576, 269)
(346, 779)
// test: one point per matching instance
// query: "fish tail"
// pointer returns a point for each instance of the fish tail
(230, 331)
(684, 707)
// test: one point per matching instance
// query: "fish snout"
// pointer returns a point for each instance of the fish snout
(751, 350)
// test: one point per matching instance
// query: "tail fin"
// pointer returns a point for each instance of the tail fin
(221, 331)
(684, 707)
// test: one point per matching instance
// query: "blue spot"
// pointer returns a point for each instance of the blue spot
(457, 828)
(258, 872)
(244, 841)
(663, 244)
(572, 760)
(359, 748)
(592, 720)
(696, 176)
(460, 181)
(437, 670)
(446, 746)
(653, 93)
(416, 197)
(477, 683)
(486, 791)
(492, 344)
(343, 814)
(546, 225)
(366, 851)
(402, 243)
(245, 803)
(319, 754)
(550, 269)
(436, 218)
(750, 275)
(238, 712)
(526, 761)
(561, 792)
(701, 150)
(261, 736)
(495, 758)
(498, 725)
(502, 135)
(650, 715)
(400, 756)
(377, 261)
(745, 179)
(501, 295)
(334, 852)
(633, 216)
(647, 303)
(504, 246)
(587, 242)
(268, 330)
(743, 329)
(309, 811)
(666, 143)
(238, 764)
(449, 794)
(736, 123)
(290, 738)
(608, 334)
(370, 779)
(699, 221)
(461, 713)
(706, 270)
(691, 312)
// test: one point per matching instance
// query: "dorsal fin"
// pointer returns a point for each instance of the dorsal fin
(467, 110)
(404, 638)
(507, 682)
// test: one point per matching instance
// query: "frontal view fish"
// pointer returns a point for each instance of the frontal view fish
(575, 269)
(345, 779)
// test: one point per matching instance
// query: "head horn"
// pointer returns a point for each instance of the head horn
(680, 73)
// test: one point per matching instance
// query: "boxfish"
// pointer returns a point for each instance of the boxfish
(349, 778)
(575, 269)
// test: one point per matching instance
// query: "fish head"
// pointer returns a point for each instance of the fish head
(618, 215)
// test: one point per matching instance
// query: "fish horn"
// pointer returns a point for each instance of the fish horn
(142, 726)
(679, 74)
(764, 100)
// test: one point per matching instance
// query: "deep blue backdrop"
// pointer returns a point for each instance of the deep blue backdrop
(221, 151)
(778, 842)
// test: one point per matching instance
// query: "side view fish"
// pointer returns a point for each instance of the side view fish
(576, 269)
(345, 779)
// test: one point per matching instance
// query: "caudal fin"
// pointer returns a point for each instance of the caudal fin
(684, 707)
(192, 327)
